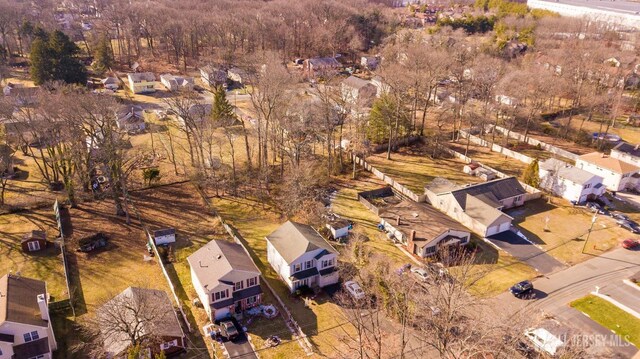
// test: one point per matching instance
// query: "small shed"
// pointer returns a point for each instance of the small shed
(34, 241)
(164, 236)
(339, 228)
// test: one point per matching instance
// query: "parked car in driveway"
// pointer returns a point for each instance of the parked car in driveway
(630, 226)
(596, 207)
(420, 273)
(354, 290)
(229, 330)
(523, 289)
(630, 244)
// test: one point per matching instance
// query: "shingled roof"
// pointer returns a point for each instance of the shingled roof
(19, 300)
(491, 192)
(610, 163)
(293, 239)
(220, 261)
(625, 147)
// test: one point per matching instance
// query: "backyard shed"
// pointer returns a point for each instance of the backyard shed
(34, 241)
(339, 228)
(164, 236)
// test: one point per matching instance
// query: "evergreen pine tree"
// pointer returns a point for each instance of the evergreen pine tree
(222, 110)
(53, 57)
(531, 174)
(103, 58)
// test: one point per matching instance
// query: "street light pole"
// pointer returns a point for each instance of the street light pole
(593, 221)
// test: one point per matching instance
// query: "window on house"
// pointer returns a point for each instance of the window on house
(251, 282)
(518, 198)
(308, 264)
(29, 337)
(327, 263)
(297, 268)
(238, 286)
(431, 250)
(33, 246)
(220, 295)
(588, 185)
(167, 345)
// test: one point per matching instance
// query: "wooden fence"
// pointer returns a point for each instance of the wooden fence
(401, 189)
(496, 148)
(534, 142)
(65, 261)
(152, 243)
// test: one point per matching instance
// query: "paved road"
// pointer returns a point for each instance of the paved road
(624, 294)
(554, 292)
(526, 252)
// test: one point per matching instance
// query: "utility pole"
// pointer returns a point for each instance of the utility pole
(593, 221)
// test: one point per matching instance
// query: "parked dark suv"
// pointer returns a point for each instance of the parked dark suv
(229, 330)
(523, 289)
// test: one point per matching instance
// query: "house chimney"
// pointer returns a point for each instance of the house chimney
(636, 148)
(44, 309)
(410, 244)
(397, 220)
(412, 236)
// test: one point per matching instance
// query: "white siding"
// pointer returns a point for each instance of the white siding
(613, 181)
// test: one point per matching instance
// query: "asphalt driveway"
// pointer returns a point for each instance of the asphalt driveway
(526, 252)
(240, 348)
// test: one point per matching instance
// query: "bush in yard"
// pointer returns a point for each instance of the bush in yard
(531, 174)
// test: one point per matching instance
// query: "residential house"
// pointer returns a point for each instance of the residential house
(160, 332)
(225, 278)
(320, 66)
(478, 206)
(164, 236)
(23, 96)
(176, 83)
(34, 241)
(195, 115)
(301, 257)
(627, 152)
(569, 182)
(617, 175)
(213, 76)
(422, 228)
(358, 91)
(25, 325)
(381, 86)
(110, 83)
(130, 118)
(142, 82)
(238, 75)
(369, 62)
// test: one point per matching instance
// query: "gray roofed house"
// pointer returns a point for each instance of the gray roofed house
(24, 308)
(142, 82)
(478, 206)
(225, 278)
(301, 256)
(163, 325)
(293, 239)
(213, 75)
(318, 66)
(130, 118)
(175, 82)
(357, 90)
(569, 182)
(627, 152)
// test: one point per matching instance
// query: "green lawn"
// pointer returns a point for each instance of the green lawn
(414, 168)
(44, 265)
(255, 221)
(567, 230)
(498, 270)
(610, 316)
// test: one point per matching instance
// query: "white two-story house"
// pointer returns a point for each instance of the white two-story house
(301, 256)
(617, 175)
(142, 82)
(25, 327)
(225, 279)
(569, 182)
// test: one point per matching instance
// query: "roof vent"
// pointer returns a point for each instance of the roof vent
(202, 266)
(219, 256)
